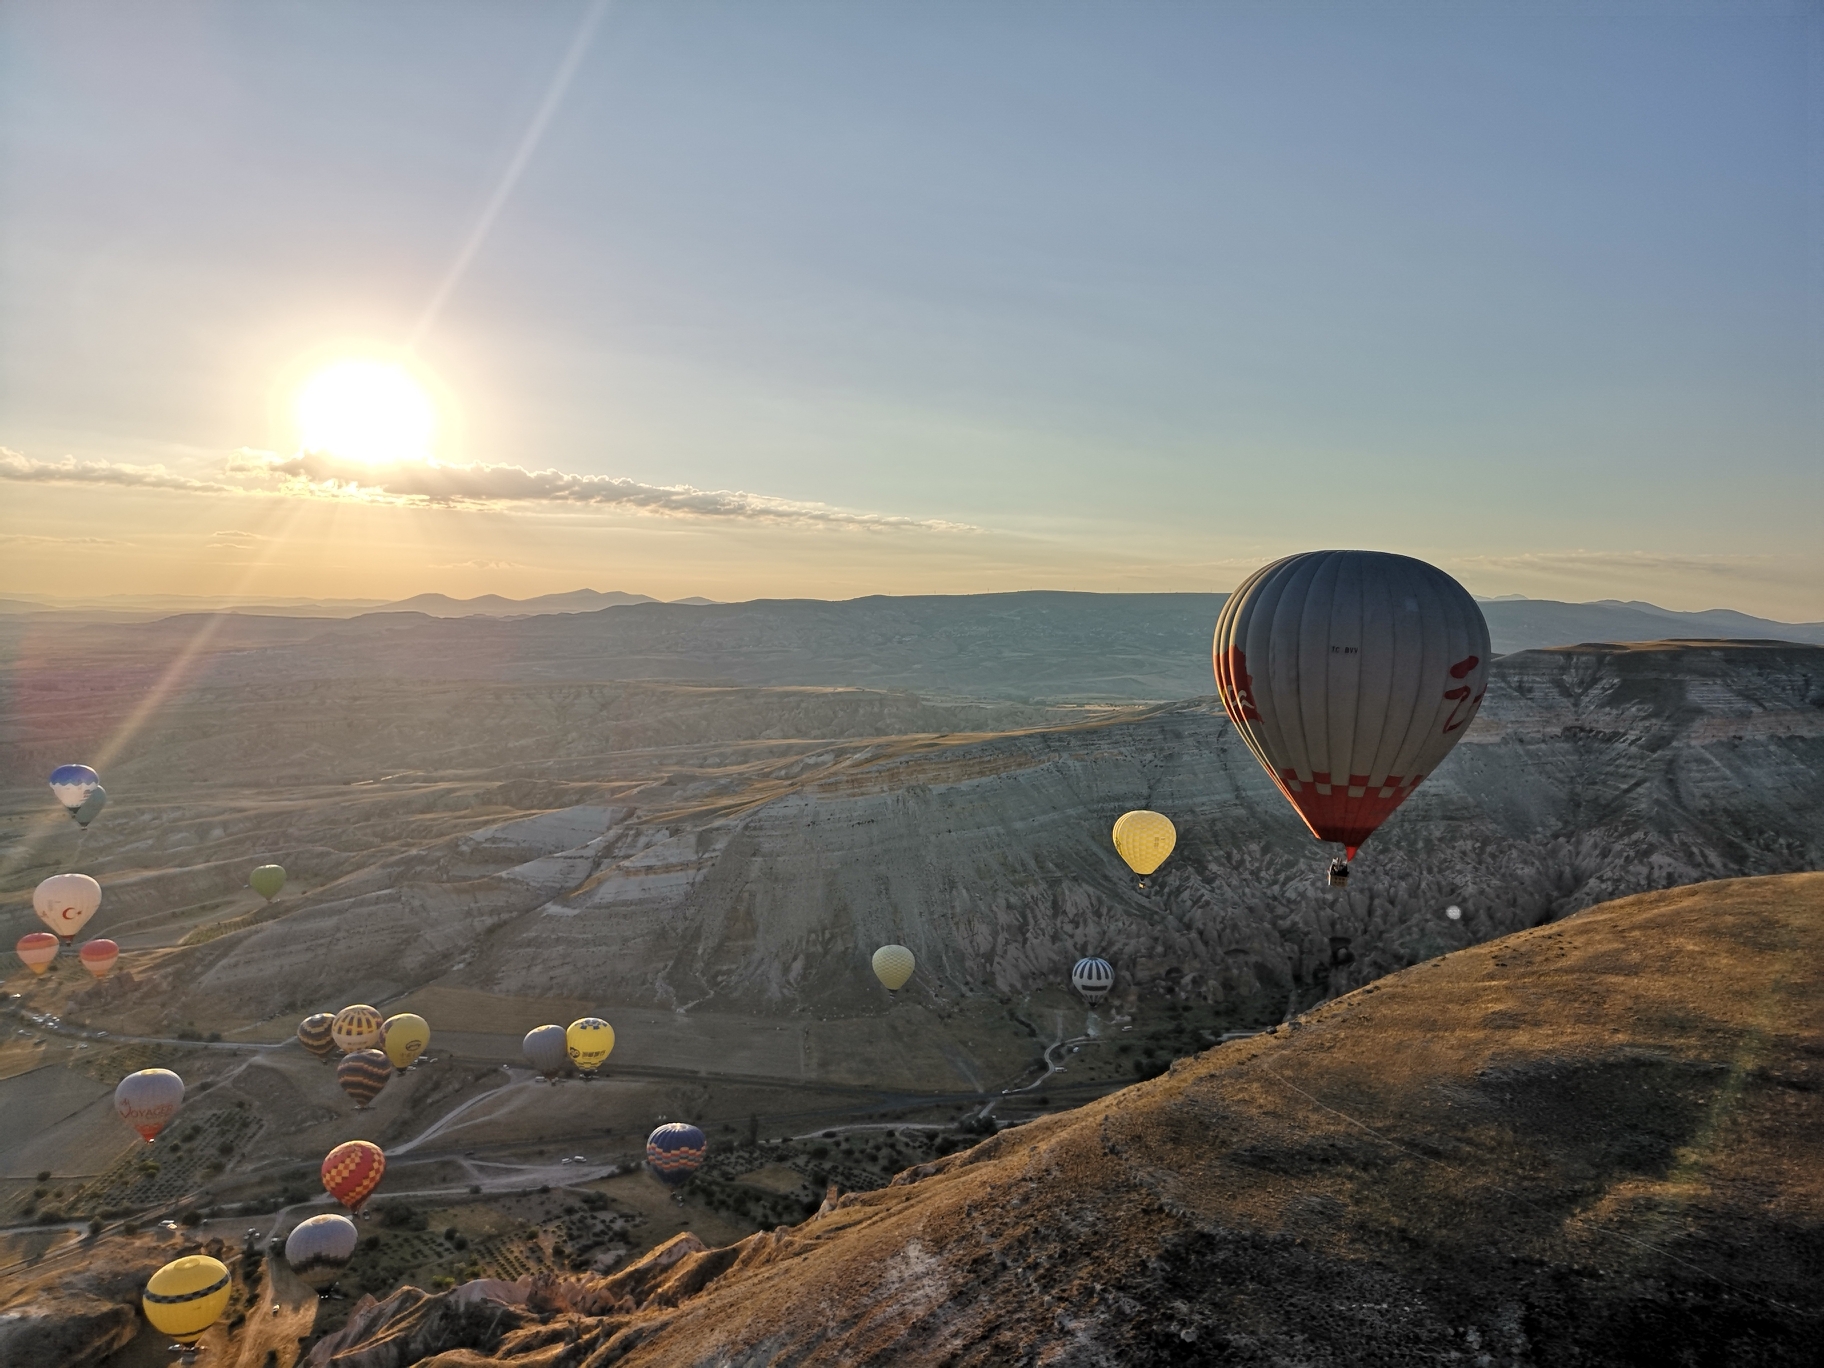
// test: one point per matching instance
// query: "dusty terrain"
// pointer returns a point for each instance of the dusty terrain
(1597, 1142)
(709, 867)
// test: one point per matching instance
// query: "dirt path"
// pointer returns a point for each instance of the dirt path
(277, 1330)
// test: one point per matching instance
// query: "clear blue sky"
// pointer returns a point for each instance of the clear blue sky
(1146, 293)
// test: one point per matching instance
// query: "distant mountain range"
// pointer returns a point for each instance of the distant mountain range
(1036, 646)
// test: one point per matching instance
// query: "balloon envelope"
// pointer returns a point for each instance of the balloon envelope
(589, 1041)
(187, 1296)
(147, 1100)
(267, 880)
(316, 1034)
(548, 1047)
(404, 1038)
(91, 807)
(1093, 978)
(319, 1249)
(99, 956)
(356, 1028)
(37, 949)
(1350, 675)
(674, 1151)
(74, 783)
(362, 1075)
(1143, 839)
(352, 1170)
(893, 965)
(65, 902)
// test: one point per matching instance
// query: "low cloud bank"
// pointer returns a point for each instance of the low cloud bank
(319, 474)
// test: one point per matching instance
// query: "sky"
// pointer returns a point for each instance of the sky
(766, 299)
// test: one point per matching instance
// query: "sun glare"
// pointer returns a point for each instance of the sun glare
(368, 411)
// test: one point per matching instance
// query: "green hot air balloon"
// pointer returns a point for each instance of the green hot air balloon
(267, 880)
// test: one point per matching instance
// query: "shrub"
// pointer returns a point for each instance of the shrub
(191, 1217)
(94, 1226)
(44, 1175)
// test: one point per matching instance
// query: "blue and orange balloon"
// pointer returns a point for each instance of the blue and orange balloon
(674, 1152)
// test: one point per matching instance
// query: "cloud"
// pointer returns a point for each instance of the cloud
(13, 466)
(239, 541)
(432, 484)
(23, 539)
(481, 484)
(479, 565)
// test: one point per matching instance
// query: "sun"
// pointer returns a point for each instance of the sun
(368, 411)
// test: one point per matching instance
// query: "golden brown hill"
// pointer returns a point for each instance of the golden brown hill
(1596, 1142)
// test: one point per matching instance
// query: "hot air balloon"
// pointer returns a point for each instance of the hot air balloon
(91, 808)
(404, 1038)
(316, 1034)
(267, 880)
(352, 1170)
(319, 1249)
(99, 957)
(37, 949)
(185, 1298)
(548, 1047)
(674, 1151)
(589, 1042)
(147, 1100)
(1093, 978)
(893, 965)
(362, 1075)
(356, 1028)
(73, 784)
(65, 902)
(1144, 839)
(1350, 675)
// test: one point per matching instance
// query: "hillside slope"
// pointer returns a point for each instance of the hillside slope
(1599, 1142)
(763, 883)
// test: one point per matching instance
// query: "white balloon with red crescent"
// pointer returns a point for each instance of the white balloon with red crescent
(1350, 675)
(65, 902)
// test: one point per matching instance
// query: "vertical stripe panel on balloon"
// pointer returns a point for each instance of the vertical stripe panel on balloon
(1378, 621)
(1314, 626)
(1415, 724)
(1347, 668)
(1279, 640)
(1254, 636)
(1405, 672)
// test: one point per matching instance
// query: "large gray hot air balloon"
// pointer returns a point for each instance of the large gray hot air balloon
(1350, 674)
(549, 1050)
(319, 1249)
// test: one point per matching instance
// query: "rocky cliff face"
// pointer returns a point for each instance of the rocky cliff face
(1594, 1143)
(764, 883)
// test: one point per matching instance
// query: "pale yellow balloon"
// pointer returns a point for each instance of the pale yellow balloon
(1144, 839)
(404, 1037)
(590, 1041)
(893, 965)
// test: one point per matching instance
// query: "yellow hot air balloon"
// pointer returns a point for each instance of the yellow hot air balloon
(1144, 839)
(404, 1038)
(893, 965)
(590, 1041)
(186, 1297)
(356, 1028)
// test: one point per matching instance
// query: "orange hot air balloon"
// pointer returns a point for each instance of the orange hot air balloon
(353, 1170)
(99, 957)
(37, 949)
(1350, 675)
